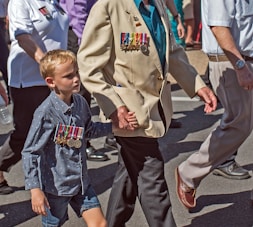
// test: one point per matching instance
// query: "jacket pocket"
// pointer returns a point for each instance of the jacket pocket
(135, 102)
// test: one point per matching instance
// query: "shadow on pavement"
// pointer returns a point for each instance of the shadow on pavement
(193, 121)
(3, 137)
(236, 213)
(15, 213)
(102, 178)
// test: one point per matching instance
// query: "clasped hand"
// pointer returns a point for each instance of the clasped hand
(122, 118)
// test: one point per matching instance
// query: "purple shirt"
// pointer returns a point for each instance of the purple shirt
(78, 11)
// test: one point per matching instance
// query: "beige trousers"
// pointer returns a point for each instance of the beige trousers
(234, 128)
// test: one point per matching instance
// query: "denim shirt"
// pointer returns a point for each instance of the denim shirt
(57, 169)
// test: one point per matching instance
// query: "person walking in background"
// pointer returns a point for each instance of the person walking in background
(125, 57)
(53, 159)
(35, 27)
(3, 42)
(176, 17)
(227, 40)
(78, 11)
(189, 21)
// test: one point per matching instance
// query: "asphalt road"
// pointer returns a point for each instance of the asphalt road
(220, 202)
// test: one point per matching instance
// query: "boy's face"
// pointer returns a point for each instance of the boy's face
(66, 80)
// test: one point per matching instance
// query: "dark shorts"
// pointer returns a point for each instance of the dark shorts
(58, 212)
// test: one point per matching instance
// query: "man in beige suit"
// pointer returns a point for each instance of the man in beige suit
(125, 57)
(227, 40)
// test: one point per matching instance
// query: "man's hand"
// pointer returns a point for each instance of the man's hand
(39, 201)
(123, 119)
(245, 77)
(207, 95)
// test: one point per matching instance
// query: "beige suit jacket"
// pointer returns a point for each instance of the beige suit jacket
(134, 78)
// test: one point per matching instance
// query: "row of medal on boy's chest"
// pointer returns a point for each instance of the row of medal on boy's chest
(68, 135)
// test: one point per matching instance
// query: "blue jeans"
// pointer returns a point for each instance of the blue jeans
(58, 212)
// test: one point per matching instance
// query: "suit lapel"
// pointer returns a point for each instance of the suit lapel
(161, 7)
(140, 26)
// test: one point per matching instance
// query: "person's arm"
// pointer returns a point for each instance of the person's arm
(188, 78)
(4, 94)
(180, 27)
(39, 201)
(37, 138)
(26, 42)
(226, 41)
(208, 97)
(22, 26)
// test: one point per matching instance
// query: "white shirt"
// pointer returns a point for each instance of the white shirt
(235, 14)
(49, 30)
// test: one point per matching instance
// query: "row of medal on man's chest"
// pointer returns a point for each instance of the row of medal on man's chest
(134, 41)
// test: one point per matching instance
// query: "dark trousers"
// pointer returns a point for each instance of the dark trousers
(25, 102)
(140, 174)
(4, 52)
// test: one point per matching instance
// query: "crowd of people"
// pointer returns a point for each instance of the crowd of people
(62, 53)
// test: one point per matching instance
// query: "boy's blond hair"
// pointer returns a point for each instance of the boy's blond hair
(53, 58)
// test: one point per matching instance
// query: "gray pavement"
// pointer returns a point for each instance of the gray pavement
(220, 202)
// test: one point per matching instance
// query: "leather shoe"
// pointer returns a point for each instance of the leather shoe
(5, 188)
(111, 143)
(94, 155)
(186, 195)
(232, 171)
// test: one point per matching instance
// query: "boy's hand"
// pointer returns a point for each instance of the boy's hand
(39, 201)
(132, 120)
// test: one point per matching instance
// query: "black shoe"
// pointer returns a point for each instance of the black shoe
(175, 124)
(94, 155)
(110, 143)
(5, 188)
(233, 171)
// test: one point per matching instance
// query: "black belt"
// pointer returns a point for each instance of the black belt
(223, 57)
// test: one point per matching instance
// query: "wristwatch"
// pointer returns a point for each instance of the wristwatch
(239, 64)
(176, 16)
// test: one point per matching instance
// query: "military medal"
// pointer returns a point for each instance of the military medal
(144, 49)
(78, 142)
(71, 141)
(122, 38)
(65, 132)
(137, 41)
(58, 139)
(144, 46)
